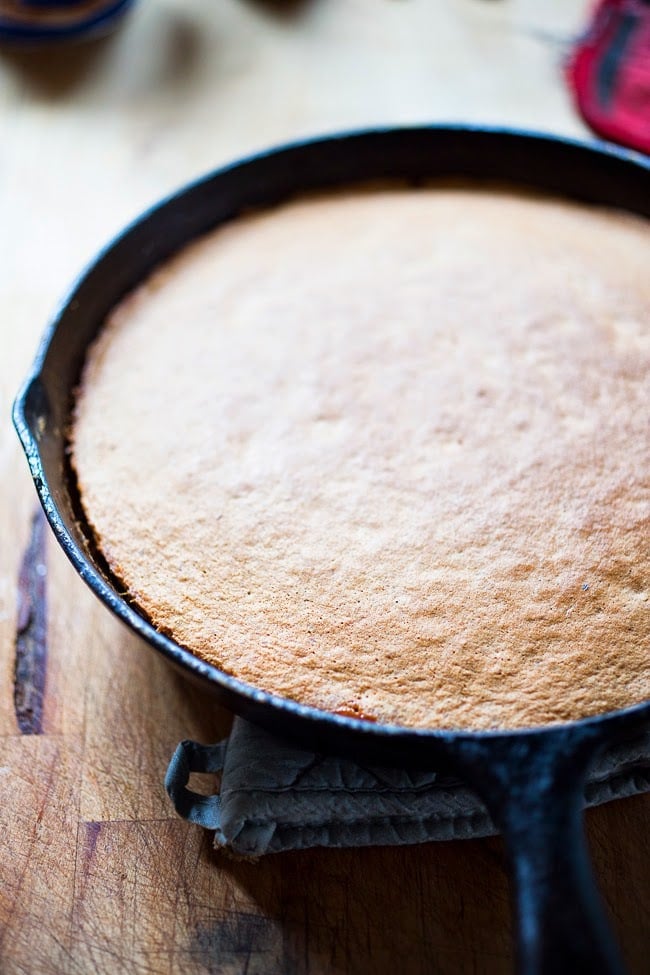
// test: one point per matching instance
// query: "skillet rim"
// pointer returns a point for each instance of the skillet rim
(241, 697)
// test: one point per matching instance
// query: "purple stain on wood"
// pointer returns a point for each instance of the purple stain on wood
(92, 830)
(31, 632)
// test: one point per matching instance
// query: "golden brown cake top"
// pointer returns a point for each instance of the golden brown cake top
(388, 452)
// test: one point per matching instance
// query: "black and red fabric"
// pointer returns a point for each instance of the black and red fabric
(609, 72)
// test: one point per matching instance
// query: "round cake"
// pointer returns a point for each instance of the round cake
(386, 453)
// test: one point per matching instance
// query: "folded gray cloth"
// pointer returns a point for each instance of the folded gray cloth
(275, 796)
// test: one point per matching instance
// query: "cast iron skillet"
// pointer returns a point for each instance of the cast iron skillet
(531, 780)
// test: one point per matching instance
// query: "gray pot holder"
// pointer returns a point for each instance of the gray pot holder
(276, 796)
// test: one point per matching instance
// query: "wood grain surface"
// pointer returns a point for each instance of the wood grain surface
(96, 873)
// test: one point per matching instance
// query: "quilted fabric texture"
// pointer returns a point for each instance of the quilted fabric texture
(275, 796)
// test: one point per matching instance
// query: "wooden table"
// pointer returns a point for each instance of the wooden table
(97, 873)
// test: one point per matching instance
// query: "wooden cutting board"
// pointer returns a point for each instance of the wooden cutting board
(96, 872)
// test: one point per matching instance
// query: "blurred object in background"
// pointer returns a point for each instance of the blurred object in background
(609, 72)
(36, 21)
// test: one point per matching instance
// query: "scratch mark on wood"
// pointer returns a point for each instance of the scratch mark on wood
(15, 891)
(31, 632)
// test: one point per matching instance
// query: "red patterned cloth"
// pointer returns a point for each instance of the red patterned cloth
(609, 72)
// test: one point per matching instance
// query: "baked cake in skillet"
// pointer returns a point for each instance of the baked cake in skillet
(386, 452)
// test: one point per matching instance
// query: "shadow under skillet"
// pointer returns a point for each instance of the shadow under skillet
(440, 907)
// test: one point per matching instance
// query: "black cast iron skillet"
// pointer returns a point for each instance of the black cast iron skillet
(531, 780)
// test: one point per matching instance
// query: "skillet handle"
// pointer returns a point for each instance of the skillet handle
(533, 787)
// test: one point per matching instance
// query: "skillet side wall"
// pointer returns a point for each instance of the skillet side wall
(42, 411)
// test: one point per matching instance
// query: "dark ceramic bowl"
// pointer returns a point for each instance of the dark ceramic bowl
(35, 25)
(531, 781)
